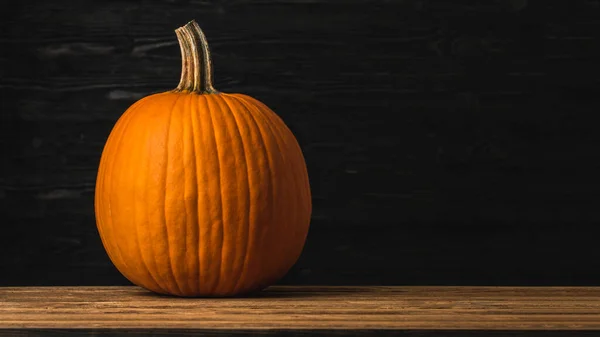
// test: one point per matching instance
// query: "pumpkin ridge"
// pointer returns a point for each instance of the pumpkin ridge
(232, 201)
(287, 191)
(187, 220)
(208, 196)
(146, 267)
(101, 178)
(282, 132)
(252, 216)
(278, 128)
(145, 220)
(220, 188)
(222, 169)
(205, 223)
(150, 271)
(194, 222)
(280, 124)
(266, 153)
(139, 248)
(245, 159)
(201, 197)
(286, 172)
(126, 119)
(164, 209)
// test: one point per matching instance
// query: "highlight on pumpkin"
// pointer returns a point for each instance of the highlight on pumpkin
(199, 192)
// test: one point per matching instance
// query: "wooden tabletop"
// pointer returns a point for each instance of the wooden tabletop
(317, 308)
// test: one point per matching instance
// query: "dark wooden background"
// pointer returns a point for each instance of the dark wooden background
(448, 142)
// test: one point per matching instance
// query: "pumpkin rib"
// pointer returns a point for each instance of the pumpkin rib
(278, 122)
(193, 194)
(253, 179)
(220, 123)
(206, 227)
(187, 282)
(164, 218)
(146, 269)
(291, 175)
(181, 273)
(101, 177)
(288, 188)
(144, 232)
(234, 201)
(270, 165)
(254, 216)
(207, 146)
(142, 259)
(160, 224)
(203, 198)
(247, 196)
(155, 222)
(290, 144)
(184, 201)
(293, 166)
(286, 177)
(211, 113)
(296, 145)
(300, 165)
(121, 125)
(194, 223)
(302, 193)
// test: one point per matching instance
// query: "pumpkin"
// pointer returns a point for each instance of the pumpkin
(199, 192)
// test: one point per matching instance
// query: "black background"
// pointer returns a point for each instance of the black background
(447, 142)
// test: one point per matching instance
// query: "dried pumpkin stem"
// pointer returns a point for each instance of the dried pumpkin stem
(196, 66)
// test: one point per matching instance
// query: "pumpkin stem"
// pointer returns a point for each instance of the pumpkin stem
(196, 67)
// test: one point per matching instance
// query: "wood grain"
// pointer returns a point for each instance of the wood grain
(301, 308)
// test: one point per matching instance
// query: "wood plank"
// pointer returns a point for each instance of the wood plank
(96, 332)
(309, 307)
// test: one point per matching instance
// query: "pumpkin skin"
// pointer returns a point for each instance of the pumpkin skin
(202, 194)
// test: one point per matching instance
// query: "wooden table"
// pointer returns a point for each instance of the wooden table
(305, 310)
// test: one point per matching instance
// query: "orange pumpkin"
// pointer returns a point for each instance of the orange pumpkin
(202, 193)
